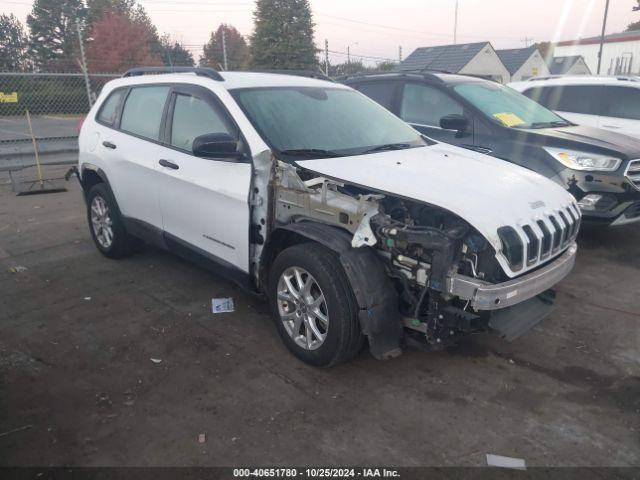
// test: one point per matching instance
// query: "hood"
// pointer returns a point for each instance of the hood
(486, 192)
(594, 140)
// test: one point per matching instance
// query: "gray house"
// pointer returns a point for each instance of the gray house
(470, 58)
(570, 65)
(523, 63)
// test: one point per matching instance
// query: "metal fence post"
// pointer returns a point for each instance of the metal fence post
(83, 61)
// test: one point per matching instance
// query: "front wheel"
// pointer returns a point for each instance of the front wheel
(313, 305)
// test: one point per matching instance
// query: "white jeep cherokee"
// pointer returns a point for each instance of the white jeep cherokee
(353, 224)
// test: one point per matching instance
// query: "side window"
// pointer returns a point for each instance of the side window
(381, 92)
(571, 98)
(109, 108)
(193, 117)
(426, 105)
(622, 102)
(538, 94)
(142, 113)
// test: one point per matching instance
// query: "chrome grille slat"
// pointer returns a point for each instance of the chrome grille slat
(548, 235)
(633, 173)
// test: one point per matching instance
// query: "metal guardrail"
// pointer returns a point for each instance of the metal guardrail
(19, 154)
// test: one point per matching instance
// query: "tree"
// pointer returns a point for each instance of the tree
(283, 35)
(545, 49)
(634, 26)
(53, 39)
(118, 43)
(175, 54)
(237, 49)
(13, 44)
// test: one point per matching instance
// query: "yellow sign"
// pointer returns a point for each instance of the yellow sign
(534, 71)
(9, 97)
(509, 119)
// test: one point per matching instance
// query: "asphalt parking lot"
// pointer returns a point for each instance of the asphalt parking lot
(78, 386)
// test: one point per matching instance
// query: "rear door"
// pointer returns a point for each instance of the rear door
(204, 201)
(621, 112)
(423, 106)
(131, 153)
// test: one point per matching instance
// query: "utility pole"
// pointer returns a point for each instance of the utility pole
(604, 26)
(399, 54)
(326, 57)
(455, 25)
(526, 41)
(83, 64)
(349, 52)
(224, 47)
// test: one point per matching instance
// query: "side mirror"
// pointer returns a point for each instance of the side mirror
(454, 122)
(215, 145)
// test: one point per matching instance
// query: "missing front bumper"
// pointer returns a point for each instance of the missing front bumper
(489, 296)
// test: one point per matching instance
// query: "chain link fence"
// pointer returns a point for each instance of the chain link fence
(40, 115)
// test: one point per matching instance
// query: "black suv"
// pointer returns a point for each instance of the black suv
(600, 168)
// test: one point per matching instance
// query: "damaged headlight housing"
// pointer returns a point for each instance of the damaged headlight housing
(590, 162)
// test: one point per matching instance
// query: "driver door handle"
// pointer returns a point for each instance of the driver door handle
(168, 164)
(110, 145)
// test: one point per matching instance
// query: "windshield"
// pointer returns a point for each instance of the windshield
(507, 106)
(318, 121)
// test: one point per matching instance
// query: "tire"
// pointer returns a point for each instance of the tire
(343, 338)
(120, 243)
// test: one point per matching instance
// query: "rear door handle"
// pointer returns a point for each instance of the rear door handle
(611, 126)
(168, 164)
(110, 145)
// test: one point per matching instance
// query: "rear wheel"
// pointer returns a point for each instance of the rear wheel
(105, 224)
(313, 305)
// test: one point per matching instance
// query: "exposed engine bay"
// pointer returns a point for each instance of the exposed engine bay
(420, 245)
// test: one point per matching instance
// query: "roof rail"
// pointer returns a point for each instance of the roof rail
(298, 73)
(200, 71)
(420, 73)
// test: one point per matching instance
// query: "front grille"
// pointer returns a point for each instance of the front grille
(546, 236)
(633, 173)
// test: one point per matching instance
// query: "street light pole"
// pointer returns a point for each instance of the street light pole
(604, 26)
(349, 52)
(455, 25)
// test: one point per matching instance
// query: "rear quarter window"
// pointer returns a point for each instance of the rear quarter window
(109, 109)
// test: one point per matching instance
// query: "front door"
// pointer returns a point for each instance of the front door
(423, 106)
(204, 200)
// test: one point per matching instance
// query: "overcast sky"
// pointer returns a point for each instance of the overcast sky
(377, 27)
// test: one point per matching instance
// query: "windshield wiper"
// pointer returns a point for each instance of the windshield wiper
(388, 146)
(557, 123)
(309, 152)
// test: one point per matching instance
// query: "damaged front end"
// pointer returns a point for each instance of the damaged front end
(418, 271)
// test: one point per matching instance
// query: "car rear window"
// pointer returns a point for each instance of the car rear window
(109, 109)
(622, 102)
(568, 98)
(142, 113)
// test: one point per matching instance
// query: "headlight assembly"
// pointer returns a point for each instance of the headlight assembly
(591, 162)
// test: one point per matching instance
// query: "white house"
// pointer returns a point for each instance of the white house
(620, 54)
(523, 63)
(468, 58)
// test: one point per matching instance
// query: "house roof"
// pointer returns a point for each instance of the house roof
(450, 58)
(611, 38)
(514, 58)
(561, 65)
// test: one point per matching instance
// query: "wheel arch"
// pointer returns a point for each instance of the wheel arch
(374, 291)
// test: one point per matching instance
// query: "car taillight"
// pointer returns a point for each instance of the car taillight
(79, 125)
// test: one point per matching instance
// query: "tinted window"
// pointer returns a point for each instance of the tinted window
(622, 102)
(109, 109)
(381, 92)
(426, 105)
(321, 118)
(569, 98)
(142, 112)
(193, 117)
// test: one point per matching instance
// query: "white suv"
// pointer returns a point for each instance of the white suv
(612, 103)
(351, 223)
